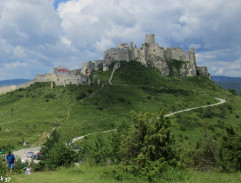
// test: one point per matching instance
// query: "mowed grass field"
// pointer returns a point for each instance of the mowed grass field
(95, 174)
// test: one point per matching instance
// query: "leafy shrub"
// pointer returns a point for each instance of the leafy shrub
(121, 99)
(230, 151)
(148, 97)
(205, 155)
(81, 96)
(49, 144)
(60, 155)
(148, 149)
(96, 151)
(100, 108)
(90, 91)
(55, 153)
(233, 91)
(3, 167)
(50, 95)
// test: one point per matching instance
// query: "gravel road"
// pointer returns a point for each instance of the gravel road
(23, 153)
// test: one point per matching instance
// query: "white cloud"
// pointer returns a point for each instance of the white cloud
(15, 64)
(32, 32)
(66, 41)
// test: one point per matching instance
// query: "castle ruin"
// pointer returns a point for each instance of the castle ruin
(149, 54)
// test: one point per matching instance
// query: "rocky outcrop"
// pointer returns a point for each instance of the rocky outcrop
(188, 69)
(203, 70)
(87, 68)
(160, 63)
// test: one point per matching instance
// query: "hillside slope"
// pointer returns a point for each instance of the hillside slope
(31, 114)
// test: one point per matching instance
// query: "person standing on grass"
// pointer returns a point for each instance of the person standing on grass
(10, 161)
(28, 170)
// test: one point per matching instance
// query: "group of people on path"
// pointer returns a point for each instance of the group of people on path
(10, 162)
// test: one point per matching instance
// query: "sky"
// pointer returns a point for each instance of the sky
(36, 36)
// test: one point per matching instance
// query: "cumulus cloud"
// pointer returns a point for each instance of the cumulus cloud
(39, 35)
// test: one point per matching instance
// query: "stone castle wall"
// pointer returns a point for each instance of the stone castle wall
(152, 53)
(6, 89)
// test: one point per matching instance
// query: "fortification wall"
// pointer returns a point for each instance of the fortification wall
(6, 89)
(118, 54)
(71, 79)
(45, 78)
(179, 54)
(156, 50)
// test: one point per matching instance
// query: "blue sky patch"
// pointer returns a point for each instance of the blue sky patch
(56, 3)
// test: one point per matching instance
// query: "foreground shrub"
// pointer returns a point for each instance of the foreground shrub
(60, 155)
(3, 167)
(148, 148)
(55, 153)
(230, 151)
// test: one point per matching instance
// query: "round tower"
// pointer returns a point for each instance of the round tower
(150, 39)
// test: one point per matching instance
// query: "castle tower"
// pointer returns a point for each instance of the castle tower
(131, 45)
(150, 39)
(192, 55)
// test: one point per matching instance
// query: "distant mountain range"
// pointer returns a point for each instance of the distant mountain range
(13, 82)
(228, 82)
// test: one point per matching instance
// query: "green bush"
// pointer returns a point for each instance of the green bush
(96, 151)
(55, 153)
(81, 96)
(60, 155)
(233, 91)
(230, 151)
(148, 148)
(49, 144)
(3, 167)
(50, 95)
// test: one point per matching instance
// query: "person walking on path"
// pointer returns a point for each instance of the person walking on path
(10, 161)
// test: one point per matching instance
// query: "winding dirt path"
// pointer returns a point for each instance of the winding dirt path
(221, 101)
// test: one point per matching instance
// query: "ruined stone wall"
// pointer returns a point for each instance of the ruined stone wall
(45, 77)
(156, 50)
(179, 54)
(6, 89)
(69, 79)
(118, 54)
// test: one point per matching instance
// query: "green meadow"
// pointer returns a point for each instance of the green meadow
(31, 114)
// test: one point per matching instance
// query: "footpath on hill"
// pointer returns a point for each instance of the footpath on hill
(22, 153)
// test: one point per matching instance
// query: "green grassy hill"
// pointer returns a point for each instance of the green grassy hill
(31, 114)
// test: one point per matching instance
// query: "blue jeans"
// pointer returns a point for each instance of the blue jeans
(11, 165)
